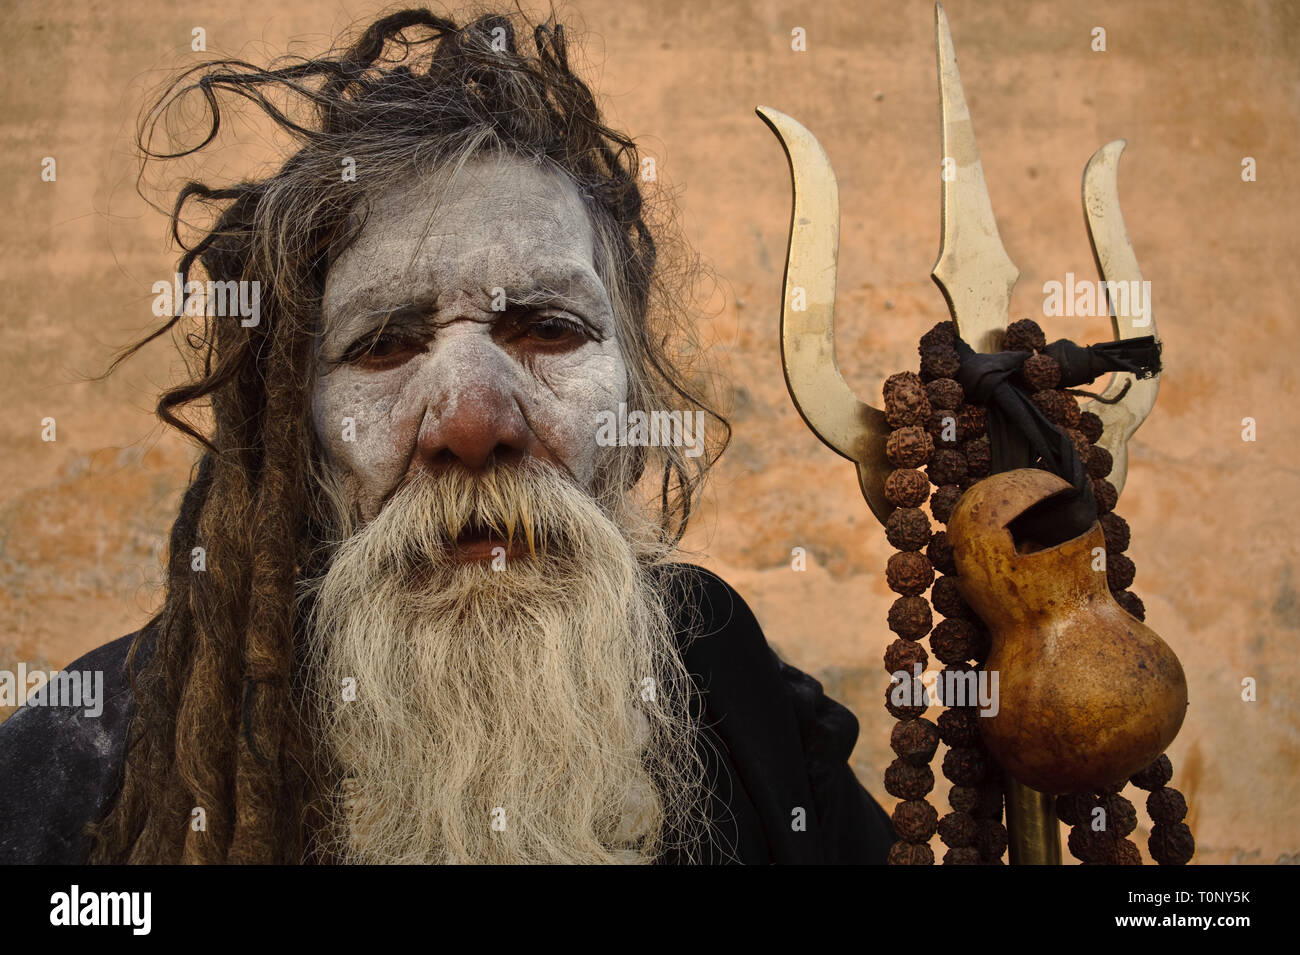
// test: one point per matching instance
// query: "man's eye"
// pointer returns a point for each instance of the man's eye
(553, 329)
(384, 349)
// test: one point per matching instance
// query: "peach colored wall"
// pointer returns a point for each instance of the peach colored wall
(1193, 86)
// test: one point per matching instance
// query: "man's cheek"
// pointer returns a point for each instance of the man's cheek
(577, 443)
(568, 410)
(362, 443)
(586, 383)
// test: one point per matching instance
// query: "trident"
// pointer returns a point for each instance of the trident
(976, 277)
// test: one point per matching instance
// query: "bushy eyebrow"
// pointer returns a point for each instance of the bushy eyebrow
(575, 289)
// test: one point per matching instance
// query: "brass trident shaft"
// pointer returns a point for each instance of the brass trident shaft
(976, 277)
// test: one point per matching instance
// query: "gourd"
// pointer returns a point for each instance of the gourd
(1087, 695)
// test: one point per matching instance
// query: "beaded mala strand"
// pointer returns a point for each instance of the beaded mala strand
(935, 428)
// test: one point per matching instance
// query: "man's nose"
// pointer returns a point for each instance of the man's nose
(474, 414)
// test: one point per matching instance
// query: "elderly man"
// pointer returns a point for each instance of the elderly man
(416, 611)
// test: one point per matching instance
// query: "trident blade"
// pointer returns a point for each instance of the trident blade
(974, 271)
(824, 400)
(1116, 262)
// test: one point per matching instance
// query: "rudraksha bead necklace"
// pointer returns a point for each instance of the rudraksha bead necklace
(936, 428)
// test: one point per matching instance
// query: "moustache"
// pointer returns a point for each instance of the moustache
(459, 515)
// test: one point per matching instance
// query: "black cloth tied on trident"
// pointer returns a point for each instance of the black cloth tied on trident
(1021, 436)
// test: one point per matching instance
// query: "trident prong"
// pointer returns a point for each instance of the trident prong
(825, 401)
(1116, 262)
(974, 271)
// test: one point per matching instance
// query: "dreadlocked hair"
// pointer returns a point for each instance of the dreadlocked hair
(215, 735)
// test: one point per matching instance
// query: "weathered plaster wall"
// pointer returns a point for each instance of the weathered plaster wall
(1193, 87)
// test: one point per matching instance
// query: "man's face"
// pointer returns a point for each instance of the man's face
(464, 331)
(473, 345)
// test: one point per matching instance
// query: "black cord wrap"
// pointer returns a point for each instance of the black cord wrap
(1021, 436)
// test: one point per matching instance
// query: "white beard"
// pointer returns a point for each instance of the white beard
(536, 713)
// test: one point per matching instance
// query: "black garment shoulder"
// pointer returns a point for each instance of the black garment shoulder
(59, 766)
(786, 792)
(776, 748)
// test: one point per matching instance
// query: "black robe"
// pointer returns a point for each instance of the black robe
(776, 748)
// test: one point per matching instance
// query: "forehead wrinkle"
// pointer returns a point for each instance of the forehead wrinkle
(571, 284)
(527, 221)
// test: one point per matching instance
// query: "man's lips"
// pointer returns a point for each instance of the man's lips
(481, 546)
